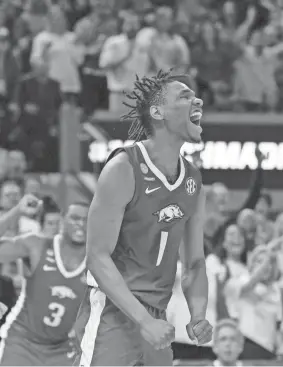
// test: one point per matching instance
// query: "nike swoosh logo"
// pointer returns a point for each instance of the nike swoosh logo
(148, 191)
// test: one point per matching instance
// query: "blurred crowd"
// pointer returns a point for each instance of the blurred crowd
(244, 260)
(86, 53)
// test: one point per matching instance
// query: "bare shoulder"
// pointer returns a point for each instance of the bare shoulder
(116, 183)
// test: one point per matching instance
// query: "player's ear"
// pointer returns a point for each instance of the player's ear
(156, 112)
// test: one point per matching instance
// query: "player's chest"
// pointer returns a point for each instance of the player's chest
(157, 203)
(57, 300)
(53, 284)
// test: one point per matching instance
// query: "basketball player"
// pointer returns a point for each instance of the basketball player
(36, 330)
(147, 199)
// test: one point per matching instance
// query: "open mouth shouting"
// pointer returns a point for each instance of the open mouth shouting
(196, 116)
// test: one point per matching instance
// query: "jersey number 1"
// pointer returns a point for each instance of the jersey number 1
(162, 246)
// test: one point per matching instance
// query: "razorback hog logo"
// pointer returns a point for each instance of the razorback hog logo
(169, 213)
(61, 292)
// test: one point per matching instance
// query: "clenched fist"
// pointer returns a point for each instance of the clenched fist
(29, 205)
(159, 333)
(200, 330)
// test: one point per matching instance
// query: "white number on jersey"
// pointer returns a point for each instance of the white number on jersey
(56, 315)
(162, 245)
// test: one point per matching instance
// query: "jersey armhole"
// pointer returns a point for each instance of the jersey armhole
(126, 150)
(27, 261)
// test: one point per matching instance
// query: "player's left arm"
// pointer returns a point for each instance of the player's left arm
(194, 278)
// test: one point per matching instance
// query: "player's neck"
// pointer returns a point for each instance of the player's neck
(164, 154)
(72, 249)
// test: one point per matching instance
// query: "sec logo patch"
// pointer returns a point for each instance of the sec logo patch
(191, 186)
(144, 168)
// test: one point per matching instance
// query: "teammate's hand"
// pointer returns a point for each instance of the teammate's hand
(29, 205)
(200, 331)
(159, 333)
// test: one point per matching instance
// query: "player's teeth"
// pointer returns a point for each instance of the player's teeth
(197, 114)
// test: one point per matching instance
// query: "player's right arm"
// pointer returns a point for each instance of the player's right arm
(12, 249)
(115, 189)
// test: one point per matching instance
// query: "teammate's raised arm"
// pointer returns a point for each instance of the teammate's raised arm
(28, 205)
(115, 189)
(15, 248)
(194, 278)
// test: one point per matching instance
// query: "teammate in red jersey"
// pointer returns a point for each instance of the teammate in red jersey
(36, 330)
(147, 199)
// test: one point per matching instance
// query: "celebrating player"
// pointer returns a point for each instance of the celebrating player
(36, 330)
(148, 199)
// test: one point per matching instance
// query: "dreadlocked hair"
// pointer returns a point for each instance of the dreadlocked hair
(146, 91)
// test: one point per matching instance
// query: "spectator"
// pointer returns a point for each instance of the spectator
(16, 167)
(214, 58)
(248, 224)
(259, 305)
(278, 232)
(32, 186)
(10, 195)
(39, 101)
(92, 31)
(74, 10)
(265, 227)
(123, 57)
(279, 81)
(9, 72)
(229, 262)
(229, 20)
(30, 22)
(255, 85)
(232, 253)
(263, 206)
(216, 212)
(228, 343)
(9, 76)
(220, 197)
(250, 202)
(166, 48)
(278, 226)
(64, 53)
(51, 217)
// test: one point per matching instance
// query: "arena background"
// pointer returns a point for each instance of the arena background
(74, 147)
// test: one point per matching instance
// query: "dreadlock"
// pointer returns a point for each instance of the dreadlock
(146, 91)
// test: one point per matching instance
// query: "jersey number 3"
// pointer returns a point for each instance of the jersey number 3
(55, 318)
(162, 246)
